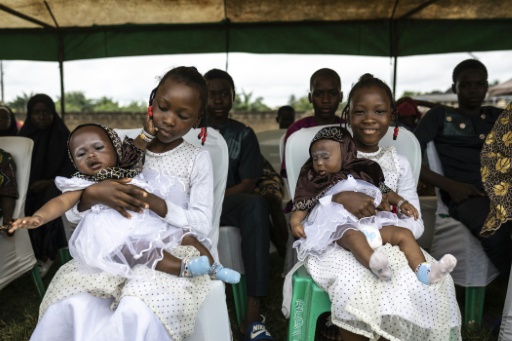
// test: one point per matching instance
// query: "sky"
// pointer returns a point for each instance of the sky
(275, 77)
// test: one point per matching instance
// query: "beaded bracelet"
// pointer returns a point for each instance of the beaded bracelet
(145, 136)
(400, 204)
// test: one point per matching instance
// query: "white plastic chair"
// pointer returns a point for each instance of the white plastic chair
(506, 321)
(269, 142)
(474, 270)
(230, 254)
(17, 253)
(213, 317)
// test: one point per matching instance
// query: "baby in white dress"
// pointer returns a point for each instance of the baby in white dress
(319, 222)
(105, 240)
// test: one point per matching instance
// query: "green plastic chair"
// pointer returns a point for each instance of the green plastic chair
(309, 301)
(474, 306)
(38, 282)
(240, 298)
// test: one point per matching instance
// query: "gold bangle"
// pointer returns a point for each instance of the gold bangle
(146, 138)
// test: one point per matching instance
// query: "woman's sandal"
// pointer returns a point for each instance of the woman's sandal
(327, 329)
(257, 331)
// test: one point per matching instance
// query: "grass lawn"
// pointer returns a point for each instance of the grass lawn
(19, 304)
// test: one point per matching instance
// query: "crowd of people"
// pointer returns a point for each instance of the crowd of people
(144, 209)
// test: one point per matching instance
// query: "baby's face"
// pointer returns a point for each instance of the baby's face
(92, 150)
(326, 156)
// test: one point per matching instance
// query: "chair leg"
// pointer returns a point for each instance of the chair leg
(240, 297)
(36, 276)
(64, 255)
(475, 297)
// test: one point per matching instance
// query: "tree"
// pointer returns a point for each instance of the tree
(77, 102)
(300, 105)
(106, 104)
(243, 103)
(135, 107)
(20, 103)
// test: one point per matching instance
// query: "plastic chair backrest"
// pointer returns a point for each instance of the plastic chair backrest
(21, 150)
(269, 146)
(297, 151)
(218, 149)
(17, 254)
(434, 163)
(281, 147)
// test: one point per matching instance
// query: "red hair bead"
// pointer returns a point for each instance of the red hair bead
(150, 111)
(395, 133)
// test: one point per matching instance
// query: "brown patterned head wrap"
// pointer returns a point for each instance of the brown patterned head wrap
(311, 186)
(130, 159)
(496, 171)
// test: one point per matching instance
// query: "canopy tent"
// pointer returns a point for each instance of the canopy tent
(63, 30)
(53, 30)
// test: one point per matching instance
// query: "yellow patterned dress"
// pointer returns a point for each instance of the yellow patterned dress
(496, 172)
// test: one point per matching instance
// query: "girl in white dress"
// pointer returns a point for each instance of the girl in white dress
(105, 240)
(153, 305)
(333, 167)
(363, 306)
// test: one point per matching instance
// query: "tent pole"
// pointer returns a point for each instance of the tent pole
(2, 79)
(61, 74)
(395, 60)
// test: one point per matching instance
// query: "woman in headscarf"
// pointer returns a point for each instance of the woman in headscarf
(496, 173)
(49, 159)
(8, 123)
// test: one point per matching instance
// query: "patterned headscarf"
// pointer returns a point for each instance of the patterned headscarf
(130, 159)
(496, 171)
(311, 186)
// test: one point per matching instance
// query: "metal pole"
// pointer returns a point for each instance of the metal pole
(2, 78)
(395, 59)
(61, 72)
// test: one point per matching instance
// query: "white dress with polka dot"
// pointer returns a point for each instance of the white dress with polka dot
(174, 301)
(399, 309)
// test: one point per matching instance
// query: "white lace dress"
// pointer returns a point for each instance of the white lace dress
(399, 309)
(328, 221)
(96, 306)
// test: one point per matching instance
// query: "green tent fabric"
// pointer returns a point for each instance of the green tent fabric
(62, 30)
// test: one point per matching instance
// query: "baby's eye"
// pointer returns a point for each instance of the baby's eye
(99, 147)
(381, 111)
(80, 154)
(161, 108)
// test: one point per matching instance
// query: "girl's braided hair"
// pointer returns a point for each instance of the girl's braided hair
(365, 81)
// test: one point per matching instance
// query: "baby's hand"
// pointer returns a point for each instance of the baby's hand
(409, 210)
(149, 126)
(298, 231)
(27, 223)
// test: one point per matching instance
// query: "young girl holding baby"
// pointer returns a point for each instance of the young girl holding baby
(152, 305)
(364, 307)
